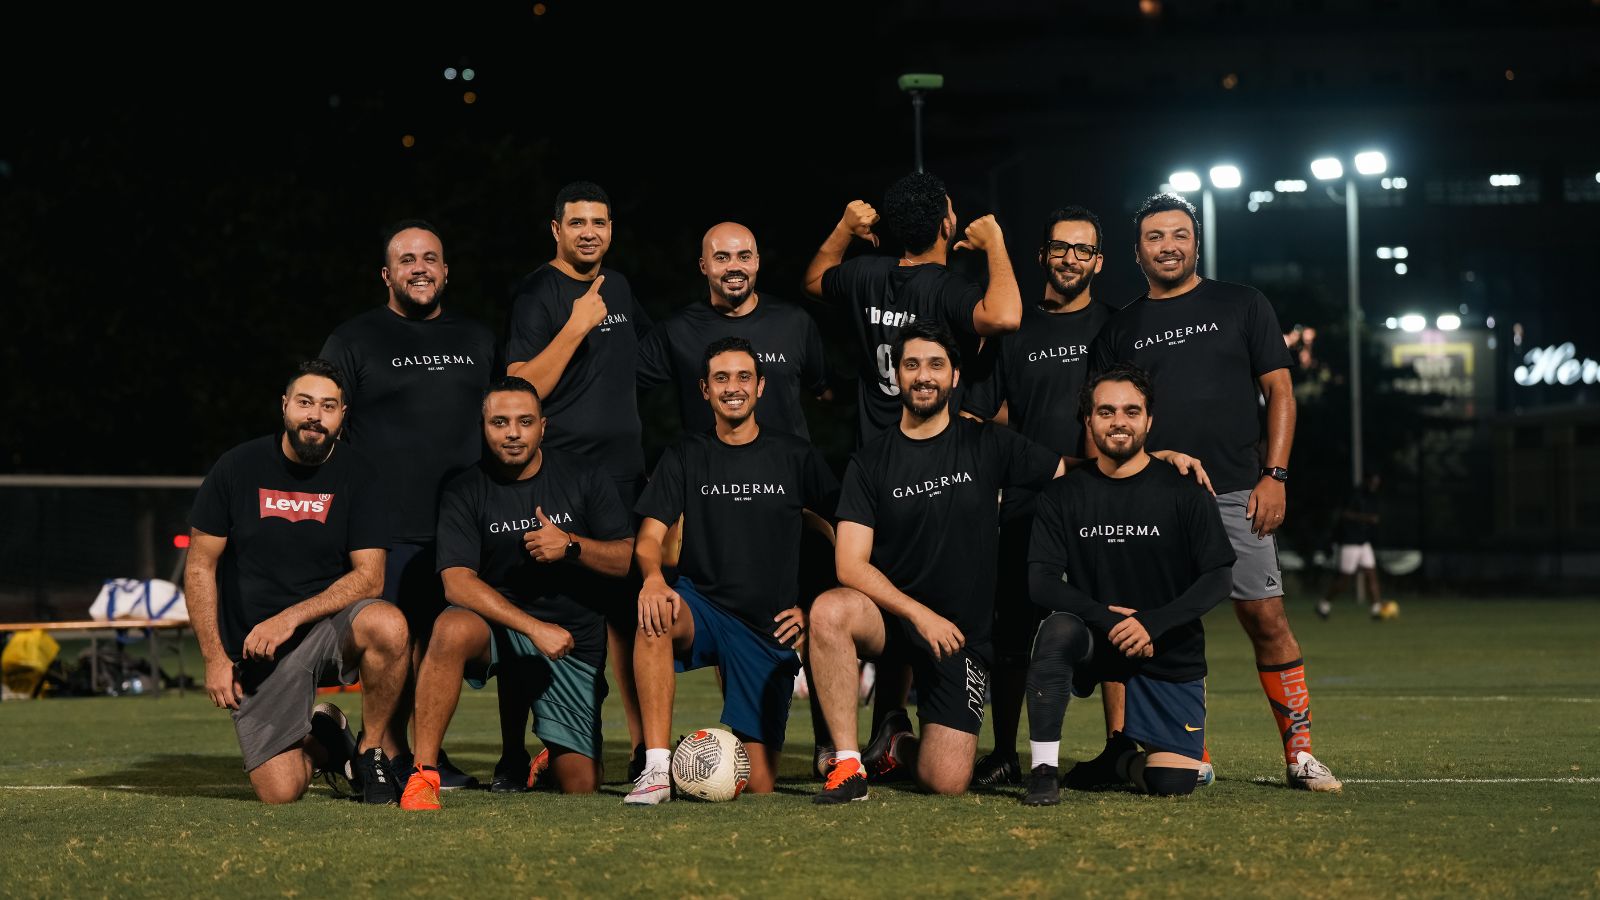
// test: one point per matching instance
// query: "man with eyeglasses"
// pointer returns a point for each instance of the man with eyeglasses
(1038, 373)
(1216, 354)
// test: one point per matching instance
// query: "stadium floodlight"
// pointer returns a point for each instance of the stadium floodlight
(1184, 182)
(1448, 322)
(1385, 252)
(1413, 322)
(1371, 162)
(1289, 186)
(1401, 253)
(1401, 268)
(1226, 177)
(917, 85)
(1391, 323)
(1327, 168)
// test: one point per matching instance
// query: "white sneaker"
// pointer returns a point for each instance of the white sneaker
(1204, 775)
(653, 787)
(1309, 775)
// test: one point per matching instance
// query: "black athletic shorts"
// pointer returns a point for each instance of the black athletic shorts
(411, 582)
(1016, 618)
(950, 691)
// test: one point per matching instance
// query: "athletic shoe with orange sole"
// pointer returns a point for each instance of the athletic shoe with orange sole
(540, 768)
(422, 790)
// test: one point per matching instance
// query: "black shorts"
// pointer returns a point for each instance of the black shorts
(950, 691)
(1016, 618)
(411, 582)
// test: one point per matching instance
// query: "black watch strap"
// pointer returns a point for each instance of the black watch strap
(574, 549)
(1276, 473)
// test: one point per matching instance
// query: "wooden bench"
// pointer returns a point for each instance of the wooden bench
(97, 629)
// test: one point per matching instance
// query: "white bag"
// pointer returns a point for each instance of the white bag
(139, 598)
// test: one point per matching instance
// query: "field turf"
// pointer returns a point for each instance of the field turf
(1467, 734)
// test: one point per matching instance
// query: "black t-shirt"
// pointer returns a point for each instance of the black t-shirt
(881, 296)
(594, 409)
(741, 516)
(1137, 542)
(1354, 531)
(290, 529)
(792, 360)
(415, 391)
(1204, 350)
(481, 523)
(932, 506)
(1038, 372)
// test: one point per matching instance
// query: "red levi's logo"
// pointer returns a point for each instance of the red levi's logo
(295, 506)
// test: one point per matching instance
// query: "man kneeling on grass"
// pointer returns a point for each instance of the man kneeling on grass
(285, 567)
(1144, 556)
(526, 542)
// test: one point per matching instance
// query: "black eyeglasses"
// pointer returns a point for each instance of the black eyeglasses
(1058, 249)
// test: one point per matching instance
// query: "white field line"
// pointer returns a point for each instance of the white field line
(1480, 699)
(1570, 780)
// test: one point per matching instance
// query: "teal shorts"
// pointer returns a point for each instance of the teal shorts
(567, 692)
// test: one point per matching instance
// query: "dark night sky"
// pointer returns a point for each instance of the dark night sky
(181, 221)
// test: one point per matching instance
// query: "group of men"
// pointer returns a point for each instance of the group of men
(440, 508)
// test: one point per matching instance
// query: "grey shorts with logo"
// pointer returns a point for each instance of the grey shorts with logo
(1256, 574)
(276, 711)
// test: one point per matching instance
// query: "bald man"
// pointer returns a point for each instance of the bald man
(783, 334)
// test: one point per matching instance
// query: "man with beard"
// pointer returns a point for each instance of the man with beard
(574, 335)
(882, 294)
(1216, 353)
(415, 374)
(790, 346)
(1144, 556)
(742, 491)
(916, 561)
(527, 543)
(1038, 373)
(283, 579)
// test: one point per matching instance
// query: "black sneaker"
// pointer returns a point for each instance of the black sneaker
(879, 759)
(847, 782)
(450, 777)
(331, 730)
(375, 775)
(1101, 772)
(636, 762)
(1044, 786)
(995, 769)
(511, 776)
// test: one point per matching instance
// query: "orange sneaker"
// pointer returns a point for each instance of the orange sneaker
(541, 765)
(422, 790)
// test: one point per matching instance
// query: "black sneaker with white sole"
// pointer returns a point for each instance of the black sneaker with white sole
(331, 731)
(376, 778)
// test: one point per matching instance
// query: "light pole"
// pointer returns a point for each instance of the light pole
(918, 84)
(1369, 162)
(1186, 182)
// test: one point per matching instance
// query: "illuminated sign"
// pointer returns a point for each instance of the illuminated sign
(1556, 364)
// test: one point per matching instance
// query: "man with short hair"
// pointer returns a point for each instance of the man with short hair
(283, 579)
(916, 559)
(527, 543)
(1352, 546)
(1130, 556)
(416, 371)
(793, 361)
(883, 294)
(742, 491)
(1215, 352)
(574, 335)
(1038, 373)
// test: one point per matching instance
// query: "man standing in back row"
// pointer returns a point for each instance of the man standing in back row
(1214, 352)
(415, 372)
(574, 335)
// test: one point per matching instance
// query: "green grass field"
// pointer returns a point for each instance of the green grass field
(1467, 734)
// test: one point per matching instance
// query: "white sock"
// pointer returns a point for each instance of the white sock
(849, 754)
(659, 756)
(1045, 753)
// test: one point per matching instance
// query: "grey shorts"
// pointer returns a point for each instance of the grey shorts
(276, 711)
(1256, 575)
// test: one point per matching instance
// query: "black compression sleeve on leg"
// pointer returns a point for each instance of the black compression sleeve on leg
(1062, 644)
(1165, 781)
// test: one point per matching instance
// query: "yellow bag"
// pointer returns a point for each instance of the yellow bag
(25, 660)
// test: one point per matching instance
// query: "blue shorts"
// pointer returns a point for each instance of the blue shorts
(757, 672)
(1167, 715)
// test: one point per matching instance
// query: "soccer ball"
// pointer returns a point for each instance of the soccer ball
(1389, 610)
(710, 764)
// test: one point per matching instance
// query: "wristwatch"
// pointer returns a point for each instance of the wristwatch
(574, 549)
(1276, 473)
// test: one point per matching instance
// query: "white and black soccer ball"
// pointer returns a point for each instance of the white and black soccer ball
(710, 764)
